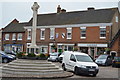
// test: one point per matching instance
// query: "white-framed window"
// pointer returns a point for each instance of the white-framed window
(19, 36)
(44, 49)
(42, 37)
(116, 19)
(69, 33)
(29, 35)
(52, 33)
(7, 36)
(83, 32)
(103, 32)
(68, 47)
(13, 36)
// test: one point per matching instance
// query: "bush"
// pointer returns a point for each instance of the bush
(31, 55)
(20, 54)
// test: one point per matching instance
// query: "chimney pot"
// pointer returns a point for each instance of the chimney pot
(58, 9)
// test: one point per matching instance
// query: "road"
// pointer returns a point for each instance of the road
(104, 72)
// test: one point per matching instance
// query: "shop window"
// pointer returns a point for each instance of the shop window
(60, 48)
(69, 33)
(44, 49)
(70, 48)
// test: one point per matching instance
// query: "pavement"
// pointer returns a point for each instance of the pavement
(24, 75)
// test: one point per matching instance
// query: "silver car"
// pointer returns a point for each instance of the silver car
(53, 56)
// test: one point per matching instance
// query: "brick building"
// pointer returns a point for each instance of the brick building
(89, 31)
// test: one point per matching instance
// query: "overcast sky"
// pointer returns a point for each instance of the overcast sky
(22, 10)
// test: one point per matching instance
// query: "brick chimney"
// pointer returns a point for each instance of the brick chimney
(58, 9)
(90, 8)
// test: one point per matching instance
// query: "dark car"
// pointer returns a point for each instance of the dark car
(10, 52)
(116, 62)
(104, 59)
(7, 57)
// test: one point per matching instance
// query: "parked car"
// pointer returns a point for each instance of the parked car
(104, 59)
(79, 63)
(10, 52)
(116, 62)
(7, 57)
(53, 57)
(60, 58)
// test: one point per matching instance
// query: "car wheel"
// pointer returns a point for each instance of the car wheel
(5, 60)
(76, 71)
(94, 75)
(63, 67)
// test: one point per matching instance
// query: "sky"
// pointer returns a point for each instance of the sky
(21, 10)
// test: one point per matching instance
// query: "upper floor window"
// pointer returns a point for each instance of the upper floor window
(42, 34)
(83, 32)
(19, 36)
(14, 36)
(29, 35)
(6, 36)
(69, 33)
(52, 32)
(116, 19)
(102, 32)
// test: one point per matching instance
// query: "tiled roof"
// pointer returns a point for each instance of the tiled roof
(15, 26)
(76, 17)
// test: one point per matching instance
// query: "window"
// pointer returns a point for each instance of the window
(116, 19)
(72, 57)
(14, 36)
(19, 36)
(69, 33)
(29, 34)
(60, 48)
(44, 49)
(6, 36)
(52, 30)
(42, 34)
(102, 32)
(83, 32)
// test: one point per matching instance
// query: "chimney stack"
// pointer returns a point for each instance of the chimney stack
(58, 9)
(91, 8)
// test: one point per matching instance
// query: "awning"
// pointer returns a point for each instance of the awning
(13, 44)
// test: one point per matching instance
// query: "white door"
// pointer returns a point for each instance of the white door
(72, 62)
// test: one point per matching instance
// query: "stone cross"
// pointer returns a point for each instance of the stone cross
(34, 24)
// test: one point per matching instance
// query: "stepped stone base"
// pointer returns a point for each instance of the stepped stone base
(41, 69)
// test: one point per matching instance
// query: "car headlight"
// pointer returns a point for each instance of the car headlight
(83, 66)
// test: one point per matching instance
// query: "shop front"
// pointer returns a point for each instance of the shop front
(13, 47)
(94, 50)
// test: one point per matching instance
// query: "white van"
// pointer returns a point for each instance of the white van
(79, 63)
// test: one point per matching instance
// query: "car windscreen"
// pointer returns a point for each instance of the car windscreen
(117, 58)
(83, 58)
(3, 53)
(103, 57)
(53, 54)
